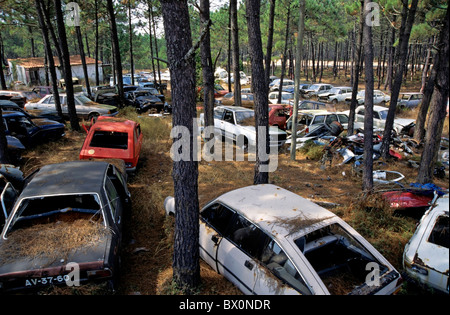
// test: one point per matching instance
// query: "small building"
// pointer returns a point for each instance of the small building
(31, 71)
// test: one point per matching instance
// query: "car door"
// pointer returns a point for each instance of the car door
(434, 250)
(237, 252)
(214, 223)
(228, 124)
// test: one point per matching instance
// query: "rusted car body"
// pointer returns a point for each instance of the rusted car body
(426, 255)
(113, 138)
(65, 227)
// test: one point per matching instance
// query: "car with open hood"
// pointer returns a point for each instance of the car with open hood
(65, 227)
(267, 240)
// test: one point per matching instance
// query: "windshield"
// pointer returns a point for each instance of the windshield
(43, 210)
(338, 258)
(83, 99)
(361, 94)
(334, 91)
(314, 87)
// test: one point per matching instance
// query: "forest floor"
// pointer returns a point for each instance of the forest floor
(148, 242)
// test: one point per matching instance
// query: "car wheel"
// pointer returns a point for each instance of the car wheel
(383, 103)
(93, 117)
(334, 101)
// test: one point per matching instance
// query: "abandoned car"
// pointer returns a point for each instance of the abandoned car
(85, 107)
(31, 132)
(144, 100)
(238, 124)
(65, 227)
(267, 240)
(379, 118)
(426, 255)
(113, 138)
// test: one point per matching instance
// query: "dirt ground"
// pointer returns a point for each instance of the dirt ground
(147, 250)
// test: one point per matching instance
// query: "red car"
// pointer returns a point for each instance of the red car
(279, 114)
(113, 138)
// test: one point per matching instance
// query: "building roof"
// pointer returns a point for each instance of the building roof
(38, 62)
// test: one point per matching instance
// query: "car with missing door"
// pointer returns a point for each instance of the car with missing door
(267, 240)
(68, 216)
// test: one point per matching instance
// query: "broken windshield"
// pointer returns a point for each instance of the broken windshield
(339, 260)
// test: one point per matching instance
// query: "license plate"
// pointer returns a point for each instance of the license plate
(46, 280)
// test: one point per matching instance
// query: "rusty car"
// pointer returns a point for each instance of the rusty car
(268, 240)
(65, 227)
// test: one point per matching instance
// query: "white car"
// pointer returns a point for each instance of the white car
(379, 98)
(316, 89)
(267, 240)
(286, 97)
(336, 94)
(379, 118)
(275, 85)
(85, 107)
(426, 255)
(237, 124)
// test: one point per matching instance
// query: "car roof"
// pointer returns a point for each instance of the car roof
(67, 178)
(275, 210)
(12, 113)
(114, 124)
(8, 103)
(235, 108)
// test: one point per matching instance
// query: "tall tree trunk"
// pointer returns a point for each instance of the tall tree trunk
(298, 58)
(117, 58)
(390, 70)
(97, 75)
(283, 62)
(83, 60)
(269, 41)
(368, 105)
(39, 9)
(74, 123)
(2, 74)
(260, 90)
(235, 51)
(355, 73)
(130, 40)
(186, 264)
(56, 42)
(207, 68)
(438, 107)
(405, 32)
(150, 22)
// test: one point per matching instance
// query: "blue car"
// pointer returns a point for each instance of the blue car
(29, 131)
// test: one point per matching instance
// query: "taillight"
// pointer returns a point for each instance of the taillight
(102, 273)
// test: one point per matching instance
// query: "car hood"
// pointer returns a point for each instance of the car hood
(42, 122)
(403, 121)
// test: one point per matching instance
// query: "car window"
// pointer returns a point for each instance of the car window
(360, 112)
(218, 216)
(331, 118)
(218, 113)
(275, 259)
(247, 236)
(113, 196)
(228, 117)
(343, 119)
(440, 234)
(319, 119)
(109, 139)
(376, 115)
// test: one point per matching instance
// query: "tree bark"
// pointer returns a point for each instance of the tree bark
(83, 60)
(260, 90)
(235, 52)
(283, 62)
(437, 109)
(49, 54)
(116, 50)
(269, 41)
(368, 105)
(186, 265)
(405, 32)
(207, 68)
(74, 123)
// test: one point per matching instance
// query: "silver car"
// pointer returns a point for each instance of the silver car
(267, 240)
(85, 107)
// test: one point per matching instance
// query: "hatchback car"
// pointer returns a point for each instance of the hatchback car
(286, 97)
(379, 118)
(315, 89)
(85, 107)
(336, 94)
(267, 240)
(307, 119)
(113, 138)
(247, 100)
(65, 227)
(426, 255)
(409, 100)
